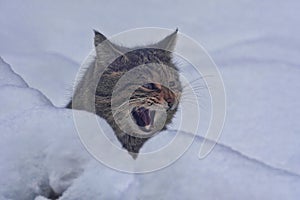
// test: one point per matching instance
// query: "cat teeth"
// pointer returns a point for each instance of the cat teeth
(147, 127)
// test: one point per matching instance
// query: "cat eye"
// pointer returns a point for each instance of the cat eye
(172, 84)
(150, 86)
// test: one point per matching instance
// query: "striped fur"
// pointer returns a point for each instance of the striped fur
(161, 90)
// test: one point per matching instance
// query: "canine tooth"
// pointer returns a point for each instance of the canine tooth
(147, 127)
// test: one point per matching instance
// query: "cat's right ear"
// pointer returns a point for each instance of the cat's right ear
(98, 38)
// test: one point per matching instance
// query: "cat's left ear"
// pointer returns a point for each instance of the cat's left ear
(98, 38)
(169, 42)
(106, 51)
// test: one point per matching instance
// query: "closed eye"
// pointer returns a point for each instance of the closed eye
(150, 86)
(172, 84)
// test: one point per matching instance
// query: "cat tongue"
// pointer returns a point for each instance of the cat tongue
(143, 117)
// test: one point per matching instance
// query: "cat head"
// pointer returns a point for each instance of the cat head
(139, 89)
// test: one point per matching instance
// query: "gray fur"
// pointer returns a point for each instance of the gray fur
(95, 94)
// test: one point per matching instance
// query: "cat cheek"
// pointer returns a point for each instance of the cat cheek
(172, 106)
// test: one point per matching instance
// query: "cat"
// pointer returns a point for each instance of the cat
(151, 105)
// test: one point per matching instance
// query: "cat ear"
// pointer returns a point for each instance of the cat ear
(106, 51)
(98, 38)
(169, 42)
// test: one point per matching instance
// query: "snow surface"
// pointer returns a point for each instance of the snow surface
(255, 45)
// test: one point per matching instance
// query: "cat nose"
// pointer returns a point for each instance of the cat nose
(170, 102)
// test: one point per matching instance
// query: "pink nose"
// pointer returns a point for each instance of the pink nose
(170, 102)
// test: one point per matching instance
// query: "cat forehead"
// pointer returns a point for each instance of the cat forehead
(142, 51)
(141, 56)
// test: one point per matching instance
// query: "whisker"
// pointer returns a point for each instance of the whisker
(200, 78)
(202, 86)
(183, 96)
(138, 99)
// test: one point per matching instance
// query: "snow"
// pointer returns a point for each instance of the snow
(255, 45)
(12, 78)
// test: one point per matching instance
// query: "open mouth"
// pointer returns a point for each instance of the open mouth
(143, 117)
